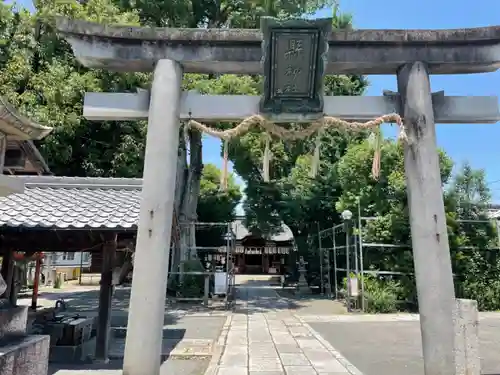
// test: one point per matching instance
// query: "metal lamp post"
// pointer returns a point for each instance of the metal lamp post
(346, 217)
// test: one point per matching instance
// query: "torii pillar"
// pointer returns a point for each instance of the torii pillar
(411, 54)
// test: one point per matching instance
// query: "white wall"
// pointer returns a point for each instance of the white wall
(71, 260)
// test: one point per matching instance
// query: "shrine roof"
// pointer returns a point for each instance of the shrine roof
(50, 202)
(239, 51)
(241, 231)
(17, 126)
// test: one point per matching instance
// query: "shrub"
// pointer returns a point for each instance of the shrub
(487, 294)
(381, 296)
(192, 285)
(58, 282)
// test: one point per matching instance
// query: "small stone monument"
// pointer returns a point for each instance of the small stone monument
(302, 286)
(20, 354)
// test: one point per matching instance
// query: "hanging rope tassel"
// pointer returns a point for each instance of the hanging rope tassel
(377, 155)
(266, 159)
(316, 156)
(224, 173)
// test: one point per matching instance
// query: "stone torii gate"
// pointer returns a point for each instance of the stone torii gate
(410, 54)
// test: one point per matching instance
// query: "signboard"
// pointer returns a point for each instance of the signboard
(354, 286)
(262, 250)
(294, 58)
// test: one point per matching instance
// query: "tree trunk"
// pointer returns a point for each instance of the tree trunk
(191, 193)
(182, 172)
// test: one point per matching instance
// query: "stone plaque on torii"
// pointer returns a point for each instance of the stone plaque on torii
(410, 54)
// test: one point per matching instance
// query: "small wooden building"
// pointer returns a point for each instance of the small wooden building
(18, 153)
(255, 253)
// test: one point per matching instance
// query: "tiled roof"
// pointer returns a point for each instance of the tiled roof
(494, 213)
(241, 231)
(73, 203)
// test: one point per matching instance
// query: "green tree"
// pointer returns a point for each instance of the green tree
(470, 233)
(40, 76)
(384, 198)
(216, 206)
(474, 240)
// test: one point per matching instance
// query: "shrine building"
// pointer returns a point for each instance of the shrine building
(255, 253)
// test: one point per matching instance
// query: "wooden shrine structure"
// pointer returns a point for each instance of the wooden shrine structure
(293, 56)
(255, 253)
(18, 155)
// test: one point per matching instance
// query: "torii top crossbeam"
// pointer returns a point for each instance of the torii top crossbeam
(125, 48)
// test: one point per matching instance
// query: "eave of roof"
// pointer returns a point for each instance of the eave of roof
(14, 124)
(73, 203)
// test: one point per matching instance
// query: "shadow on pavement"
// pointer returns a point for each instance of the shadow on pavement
(258, 296)
(168, 367)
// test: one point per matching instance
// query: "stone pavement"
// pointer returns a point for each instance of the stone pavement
(189, 332)
(390, 344)
(169, 367)
(264, 337)
(192, 335)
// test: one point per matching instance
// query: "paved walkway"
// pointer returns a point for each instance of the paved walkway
(264, 337)
(391, 344)
(189, 332)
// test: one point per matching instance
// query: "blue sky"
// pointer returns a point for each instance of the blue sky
(479, 144)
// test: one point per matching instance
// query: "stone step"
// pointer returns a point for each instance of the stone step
(25, 356)
(13, 321)
(171, 348)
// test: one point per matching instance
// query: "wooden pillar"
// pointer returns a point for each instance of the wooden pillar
(265, 263)
(206, 290)
(431, 253)
(3, 149)
(105, 296)
(8, 273)
(36, 282)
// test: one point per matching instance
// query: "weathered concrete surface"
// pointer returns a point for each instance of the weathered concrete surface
(466, 324)
(391, 345)
(149, 282)
(126, 48)
(27, 355)
(429, 235)
(189, 336)
(169, 367)
(13, 321)
(99, 106)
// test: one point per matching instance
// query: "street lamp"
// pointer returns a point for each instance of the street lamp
(347, 216)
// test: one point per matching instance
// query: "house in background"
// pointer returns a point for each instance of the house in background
(68, 265)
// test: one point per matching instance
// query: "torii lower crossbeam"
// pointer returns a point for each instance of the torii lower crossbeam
(212, 108)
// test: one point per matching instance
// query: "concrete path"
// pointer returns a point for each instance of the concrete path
(390, 344)
(170, 367)
(264, 337)
(189, 331)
